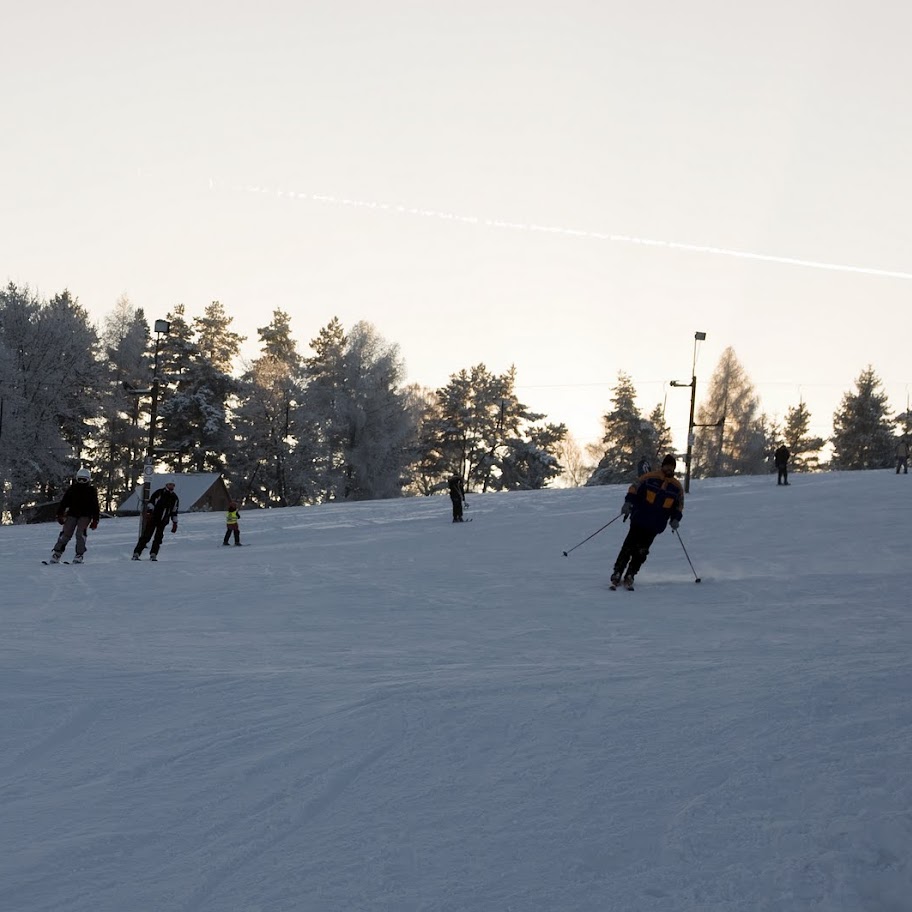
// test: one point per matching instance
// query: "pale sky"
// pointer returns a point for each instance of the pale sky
(134, 136)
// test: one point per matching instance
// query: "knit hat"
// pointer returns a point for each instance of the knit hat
(669, 460)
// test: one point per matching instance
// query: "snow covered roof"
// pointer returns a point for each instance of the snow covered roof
(190, 487)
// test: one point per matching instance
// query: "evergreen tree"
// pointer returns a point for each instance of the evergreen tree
(118, 457)
(380, 426)
(862, 428)
(50, 390)
(531, 461)
(481, 432)
(321, 413)
(658, 443)
(364, 425)
(427, 465)
(627, 437)
(904, 422)
(731, 436)
(264, 465)
(195, 416)
(803, 447)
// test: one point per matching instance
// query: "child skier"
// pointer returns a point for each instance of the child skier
(231, 521)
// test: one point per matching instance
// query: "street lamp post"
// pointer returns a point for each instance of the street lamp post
(161, 326)
(698, 337)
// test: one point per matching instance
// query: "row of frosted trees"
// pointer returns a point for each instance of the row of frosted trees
(341, 423)
(338, 424)
(734, 437)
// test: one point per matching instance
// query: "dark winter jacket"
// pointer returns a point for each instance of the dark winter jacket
(656, 498)
(457, 491)
(80, 499)
(781, 456)
(164, 505)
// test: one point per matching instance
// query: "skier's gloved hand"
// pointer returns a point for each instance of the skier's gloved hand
(174, 526)
(674, 524)
(61, 518)
(93, 524)
(627, 508)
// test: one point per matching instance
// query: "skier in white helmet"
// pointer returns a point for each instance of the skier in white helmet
(78, 511)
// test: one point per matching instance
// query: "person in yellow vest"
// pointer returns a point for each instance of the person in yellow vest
(231, 521)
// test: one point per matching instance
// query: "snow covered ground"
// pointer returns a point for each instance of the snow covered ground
(370, 708)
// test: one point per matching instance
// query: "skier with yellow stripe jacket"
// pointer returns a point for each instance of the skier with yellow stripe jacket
(651, 502)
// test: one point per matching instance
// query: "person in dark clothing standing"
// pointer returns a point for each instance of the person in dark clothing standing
(644, 466)
(457, 496)
(77, 512)
(162, 509)
(782, 456)
(902, 456)
(652, 501)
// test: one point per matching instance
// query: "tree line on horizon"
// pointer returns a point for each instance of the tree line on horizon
(339, 423)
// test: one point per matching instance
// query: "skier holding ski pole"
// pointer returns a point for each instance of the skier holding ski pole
(652, 501)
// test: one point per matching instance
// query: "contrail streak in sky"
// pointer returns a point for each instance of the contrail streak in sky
(570, 232)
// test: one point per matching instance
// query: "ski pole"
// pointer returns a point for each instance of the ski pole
(583, 542)
(681, 540)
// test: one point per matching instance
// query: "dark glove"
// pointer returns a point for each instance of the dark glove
(627, 508)
(93, 524)
(174, 526)
(61, 518)
(674, 524)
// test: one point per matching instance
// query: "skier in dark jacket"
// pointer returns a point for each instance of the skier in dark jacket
(162, 509)
(781, 457)
(651, 501)
(457, 496)
(77, 512)
(644, 466)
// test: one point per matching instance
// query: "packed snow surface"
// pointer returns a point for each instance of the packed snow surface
(369, 707)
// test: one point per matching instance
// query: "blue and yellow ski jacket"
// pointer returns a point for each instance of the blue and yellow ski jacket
(656, 499)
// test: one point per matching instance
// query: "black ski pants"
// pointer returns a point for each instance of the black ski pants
(634, 550)
(783, 474)
(152, 526)
(457, 508)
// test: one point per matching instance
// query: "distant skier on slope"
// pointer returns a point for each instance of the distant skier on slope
(782, 456)
(651, 501)
(457, 496)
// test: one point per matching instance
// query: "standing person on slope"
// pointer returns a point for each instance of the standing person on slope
(162, 509)
(457, 496)
(78, 511)
(651, 501)
(782, 456)
(902, 456)
(231, 524)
